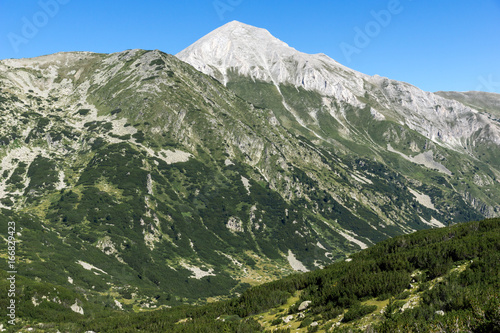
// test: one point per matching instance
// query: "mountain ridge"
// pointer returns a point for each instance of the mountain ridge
(484, 101)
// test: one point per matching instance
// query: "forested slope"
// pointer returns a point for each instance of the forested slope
(436, 280)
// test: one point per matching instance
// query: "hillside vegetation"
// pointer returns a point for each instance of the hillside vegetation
(138, 180)
(440, 280)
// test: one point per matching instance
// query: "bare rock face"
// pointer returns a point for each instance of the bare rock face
(77, 308)
(234, 224)
(439, 119)
(484, 101)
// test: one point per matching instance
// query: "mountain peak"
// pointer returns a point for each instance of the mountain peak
(235, 45)
(236, 31)
(254, 52)
(237, 24)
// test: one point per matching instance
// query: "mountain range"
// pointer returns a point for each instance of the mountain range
(140, 179)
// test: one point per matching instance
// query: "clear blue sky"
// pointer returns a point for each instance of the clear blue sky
(435, 45)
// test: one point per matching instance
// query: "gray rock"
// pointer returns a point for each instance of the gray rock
(304, 305)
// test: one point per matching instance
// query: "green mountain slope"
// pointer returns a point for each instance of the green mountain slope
(153, 184)
(433, 280)
(166, 192)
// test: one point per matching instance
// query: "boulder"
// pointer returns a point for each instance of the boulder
(304, 305)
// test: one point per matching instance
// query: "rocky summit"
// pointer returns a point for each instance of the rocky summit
(139, 179)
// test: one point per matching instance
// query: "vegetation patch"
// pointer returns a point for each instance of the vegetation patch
(83, 112)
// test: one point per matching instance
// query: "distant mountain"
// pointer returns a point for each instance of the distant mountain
(138, 181)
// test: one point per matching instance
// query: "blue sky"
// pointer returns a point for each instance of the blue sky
(435, 45)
